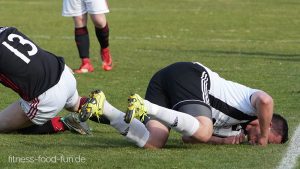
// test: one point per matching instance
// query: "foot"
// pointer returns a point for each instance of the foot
(93, 106)
(85, 68)
(136, 109)
(72, 122)
(106, 59)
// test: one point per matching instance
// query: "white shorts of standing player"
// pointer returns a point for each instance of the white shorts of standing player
(79, 7)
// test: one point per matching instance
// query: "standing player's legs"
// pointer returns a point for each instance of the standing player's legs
(102, 33)
(83, 43)
(97, 10)
(13, 118)
(77, 10)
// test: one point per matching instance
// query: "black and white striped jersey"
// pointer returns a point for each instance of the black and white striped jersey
(230, 101)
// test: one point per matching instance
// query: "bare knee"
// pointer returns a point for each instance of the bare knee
(99, 20)
(159, 135)
(202, 137)
(205, 130)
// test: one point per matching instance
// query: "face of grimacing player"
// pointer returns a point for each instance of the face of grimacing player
(253, 132)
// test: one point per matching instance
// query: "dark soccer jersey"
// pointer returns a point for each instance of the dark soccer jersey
(25, 67)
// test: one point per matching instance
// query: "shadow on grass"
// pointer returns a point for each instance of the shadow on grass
(278, 56)
(78, 141)
(97, 140)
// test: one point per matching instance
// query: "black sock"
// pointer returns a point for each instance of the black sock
(52, 126)
(102, 120)
(82, 41)
(103, 36)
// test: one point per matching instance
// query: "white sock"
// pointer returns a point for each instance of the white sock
(136, 131)
(181, 122)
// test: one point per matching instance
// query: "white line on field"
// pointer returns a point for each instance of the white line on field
(290, 158)
(155, 37)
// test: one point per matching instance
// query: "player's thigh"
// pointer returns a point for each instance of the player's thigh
(159, 134)
(80, 21)
(13, 118)
(69, 85)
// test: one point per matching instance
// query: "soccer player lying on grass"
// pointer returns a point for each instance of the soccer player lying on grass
(42, 80)
(194, 101)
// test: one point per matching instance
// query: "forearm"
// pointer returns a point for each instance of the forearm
(218, 140)
(265, 113)
(264, 109)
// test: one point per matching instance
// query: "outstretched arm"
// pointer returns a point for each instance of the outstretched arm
(263, 104)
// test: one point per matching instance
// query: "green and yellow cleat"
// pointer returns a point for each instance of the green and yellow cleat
(93, 106)
(135, 109)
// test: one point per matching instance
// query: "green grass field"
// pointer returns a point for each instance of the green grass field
(254, 42)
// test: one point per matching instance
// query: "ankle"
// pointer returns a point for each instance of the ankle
(85, 61)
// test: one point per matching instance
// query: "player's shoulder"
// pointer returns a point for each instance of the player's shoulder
(6, 28)
(5, 31)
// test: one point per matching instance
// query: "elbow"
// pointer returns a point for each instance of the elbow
(262, 98)
(265, 99)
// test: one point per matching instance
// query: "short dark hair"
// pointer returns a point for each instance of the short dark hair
(280, 126)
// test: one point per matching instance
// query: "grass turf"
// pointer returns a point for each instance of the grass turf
(252, 42)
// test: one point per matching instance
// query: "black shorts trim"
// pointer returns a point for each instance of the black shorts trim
(196, 110)
(185, 102)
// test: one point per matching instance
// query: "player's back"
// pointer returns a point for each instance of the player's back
(25, 67)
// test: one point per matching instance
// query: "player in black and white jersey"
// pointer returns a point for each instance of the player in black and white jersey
(42, 80)
(195, 101)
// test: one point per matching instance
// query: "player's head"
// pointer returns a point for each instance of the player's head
(280, 127)
(278, 130)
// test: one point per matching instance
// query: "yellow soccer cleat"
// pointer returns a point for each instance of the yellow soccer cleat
(135, 109)
(93, 106)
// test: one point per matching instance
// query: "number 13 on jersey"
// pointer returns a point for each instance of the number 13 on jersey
(23, 41)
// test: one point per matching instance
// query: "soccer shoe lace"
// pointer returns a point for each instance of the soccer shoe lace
(72, 122)
(135, 109)
(93, 106)
(85, 68)
(106, 59)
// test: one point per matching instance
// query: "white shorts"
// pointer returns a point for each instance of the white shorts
(47, 105)
(79, 7)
